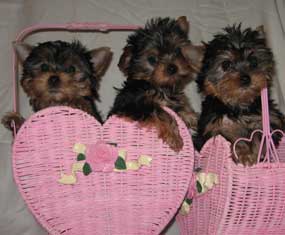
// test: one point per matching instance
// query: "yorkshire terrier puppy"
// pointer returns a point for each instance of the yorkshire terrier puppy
(237, 65)
(60, 73)
(159, 61)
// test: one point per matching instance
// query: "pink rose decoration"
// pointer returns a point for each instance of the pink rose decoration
(101, 156)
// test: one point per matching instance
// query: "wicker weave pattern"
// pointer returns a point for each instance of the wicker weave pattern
(246, 201)
(129, 203)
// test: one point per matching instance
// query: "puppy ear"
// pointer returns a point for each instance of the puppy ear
(260, 31)
(124, 61)
(194, 55)
(101, 59)
(22, 50)
(183, 23)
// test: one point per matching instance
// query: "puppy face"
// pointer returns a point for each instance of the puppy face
(57, 72)
(237, 65)
(161, 53)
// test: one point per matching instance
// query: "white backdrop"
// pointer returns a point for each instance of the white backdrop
(206, 17)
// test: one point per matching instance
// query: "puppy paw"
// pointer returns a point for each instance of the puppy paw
(247, 160)
(171, 138)
(245, 154)
(11, 117)
(167, 130)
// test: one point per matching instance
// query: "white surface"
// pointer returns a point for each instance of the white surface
(206, 17)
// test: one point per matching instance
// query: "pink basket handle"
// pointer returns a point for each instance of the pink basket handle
(266, 139)
(74, 26)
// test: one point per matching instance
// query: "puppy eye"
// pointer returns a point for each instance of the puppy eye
(226, 65)
(70, 69)
(177, 51)
(253, 62)
(44, 67)
(152, 60)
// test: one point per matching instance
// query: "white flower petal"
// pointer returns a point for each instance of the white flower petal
(79, 148)
(201, 177)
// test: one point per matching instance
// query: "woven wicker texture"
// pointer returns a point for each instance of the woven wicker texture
(129, 203)
(246, 200)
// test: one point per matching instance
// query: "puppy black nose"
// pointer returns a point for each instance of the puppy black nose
(53, 81)
(245, 80)
(171, 69)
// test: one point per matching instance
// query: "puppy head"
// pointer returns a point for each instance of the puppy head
(161, 53)
(57, 72)
(237, 65)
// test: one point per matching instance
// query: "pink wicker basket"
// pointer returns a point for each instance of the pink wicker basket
(130, 202)
(247, 200)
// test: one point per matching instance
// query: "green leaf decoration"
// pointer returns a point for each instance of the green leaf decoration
(120, 164)
(86, 169)
(199, 186)
(81, 157)
(189, 201)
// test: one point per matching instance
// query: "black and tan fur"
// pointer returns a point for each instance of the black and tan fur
(237, 65)
(60, 73)
(159, 61)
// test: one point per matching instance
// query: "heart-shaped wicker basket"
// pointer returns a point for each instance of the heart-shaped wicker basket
(67, 197)
(247, 200)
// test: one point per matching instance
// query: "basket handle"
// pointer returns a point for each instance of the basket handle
(73, 26)
(271, 151)
(266, 139)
